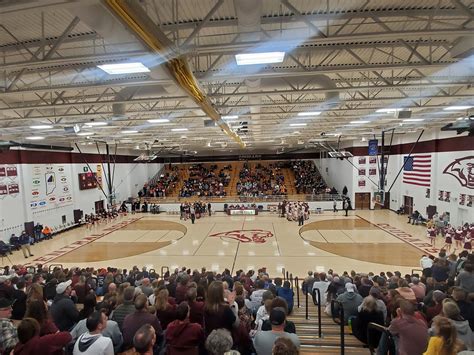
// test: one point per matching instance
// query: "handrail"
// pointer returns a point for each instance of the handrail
(52, 266)
(382, 329)
(297, 284)
(306, 306)
(341, 321)
(318, 303)
(243, 199)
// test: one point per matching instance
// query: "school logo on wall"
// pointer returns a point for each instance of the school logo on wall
(246, 236)
(463, 170)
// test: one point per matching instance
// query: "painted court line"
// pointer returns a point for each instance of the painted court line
(406, 237)
(79, 243)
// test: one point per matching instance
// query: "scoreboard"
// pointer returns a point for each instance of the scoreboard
(87, 181)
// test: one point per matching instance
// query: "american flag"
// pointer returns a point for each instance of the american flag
(417, 170)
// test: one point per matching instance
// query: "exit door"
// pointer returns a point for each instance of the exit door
(99, 206)
(408, 203)
(362, 200)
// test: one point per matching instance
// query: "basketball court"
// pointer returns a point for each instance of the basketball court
(326, 241)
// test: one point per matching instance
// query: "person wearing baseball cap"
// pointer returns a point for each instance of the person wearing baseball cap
(8, 333)
(63, 310)
(264, 340)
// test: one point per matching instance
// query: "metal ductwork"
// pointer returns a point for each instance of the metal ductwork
(318, 80)
(137, 21)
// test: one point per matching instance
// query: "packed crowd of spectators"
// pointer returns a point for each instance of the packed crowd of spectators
(432, 311)
(106, 311)
(308, 180)
(161, 186)
(206, 181)
(261, 180)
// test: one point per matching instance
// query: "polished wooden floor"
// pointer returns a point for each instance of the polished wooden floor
(326, 241)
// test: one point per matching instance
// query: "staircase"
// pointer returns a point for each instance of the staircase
(330, 341)
(289, 181)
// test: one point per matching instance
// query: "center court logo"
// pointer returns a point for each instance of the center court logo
(258, 236)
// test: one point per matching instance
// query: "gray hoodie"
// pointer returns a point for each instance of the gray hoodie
(350, 303)
(464, 333)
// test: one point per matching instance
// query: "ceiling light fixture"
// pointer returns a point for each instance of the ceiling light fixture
(297, 124)
(128, 131)
(42, 126)
(259, 58)
(96, 123)
(124, 68)
(158, 120)
(456, 108)
(85, 133)
(388, 110)
(34, 138)
(310, 113)
(230, 117)
(359, 122)
(179, 129)
(414, 120)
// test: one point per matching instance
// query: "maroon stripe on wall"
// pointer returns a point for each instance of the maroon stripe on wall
(454, 144)
(50, 157)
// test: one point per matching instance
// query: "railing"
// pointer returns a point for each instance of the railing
(242, 199)
(318, 304)
(297, 286)
(380, 328)
(341, 320)
(52, 266)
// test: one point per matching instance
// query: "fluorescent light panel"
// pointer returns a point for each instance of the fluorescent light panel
(124, 68)
(85, 133)
(35, 138)
(158, 120)
(456, 108)
(388, 110)
(131, 131)
(230, 117)
(359, 122)
(297, 124)
(310, 113)
(42, 126)
(259, 58)
(413, 120)
(179, 129)
(96, 123)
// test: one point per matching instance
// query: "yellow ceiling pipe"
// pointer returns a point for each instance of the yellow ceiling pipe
(139, 23)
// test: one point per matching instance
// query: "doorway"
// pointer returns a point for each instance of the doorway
(99, 206)
(362, 200)
(408, 204)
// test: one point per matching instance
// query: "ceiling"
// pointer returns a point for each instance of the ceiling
(343, 58)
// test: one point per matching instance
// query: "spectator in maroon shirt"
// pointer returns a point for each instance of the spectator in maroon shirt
(31, 342)
(196, 313)
(217, 312)
(37, 309)
(165, 311)
(182, 288)
(182, 333)
(137, 319)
